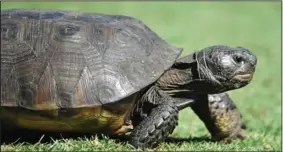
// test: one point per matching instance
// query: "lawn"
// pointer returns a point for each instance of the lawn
(193, 26)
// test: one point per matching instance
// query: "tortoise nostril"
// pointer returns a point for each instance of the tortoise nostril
(251, 58)
(238, 59)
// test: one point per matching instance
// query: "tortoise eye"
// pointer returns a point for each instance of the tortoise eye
(68, 30)
(238, 59)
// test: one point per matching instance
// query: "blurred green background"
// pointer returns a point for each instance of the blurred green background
(193, 26)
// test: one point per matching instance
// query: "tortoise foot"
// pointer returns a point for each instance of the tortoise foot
(161, 121)
(228, 139)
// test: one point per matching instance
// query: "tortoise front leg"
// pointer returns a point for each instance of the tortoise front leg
(220, 116)
(160, 120)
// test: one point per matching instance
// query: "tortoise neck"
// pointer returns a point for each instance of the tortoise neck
(177, 79)
(184, 79)
(188, 76)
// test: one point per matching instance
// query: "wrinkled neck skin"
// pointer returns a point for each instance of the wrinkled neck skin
(187, 76)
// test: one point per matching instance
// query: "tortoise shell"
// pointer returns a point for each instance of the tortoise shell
(68, 59)
(61, 59)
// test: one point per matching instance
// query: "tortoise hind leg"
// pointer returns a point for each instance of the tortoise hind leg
(220, 116)
(160, 122)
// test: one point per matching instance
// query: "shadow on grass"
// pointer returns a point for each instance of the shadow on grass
(178, 140)
(34, 137)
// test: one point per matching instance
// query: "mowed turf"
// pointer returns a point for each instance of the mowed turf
(193, 26)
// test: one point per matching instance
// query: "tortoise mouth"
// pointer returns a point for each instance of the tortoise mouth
(243, 77)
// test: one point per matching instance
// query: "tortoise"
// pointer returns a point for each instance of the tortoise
(64, 71)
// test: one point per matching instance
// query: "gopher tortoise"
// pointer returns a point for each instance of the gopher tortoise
(64, 71)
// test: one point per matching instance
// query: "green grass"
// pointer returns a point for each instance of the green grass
(193, 26)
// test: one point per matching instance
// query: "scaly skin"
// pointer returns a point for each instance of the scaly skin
(213, 70)
(154, 118)
(161, 122)
(220, 116)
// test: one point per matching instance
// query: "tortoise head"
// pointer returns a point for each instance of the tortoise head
(229, 67)
(214, 69)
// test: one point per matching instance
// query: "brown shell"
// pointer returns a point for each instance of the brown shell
(59, 59)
